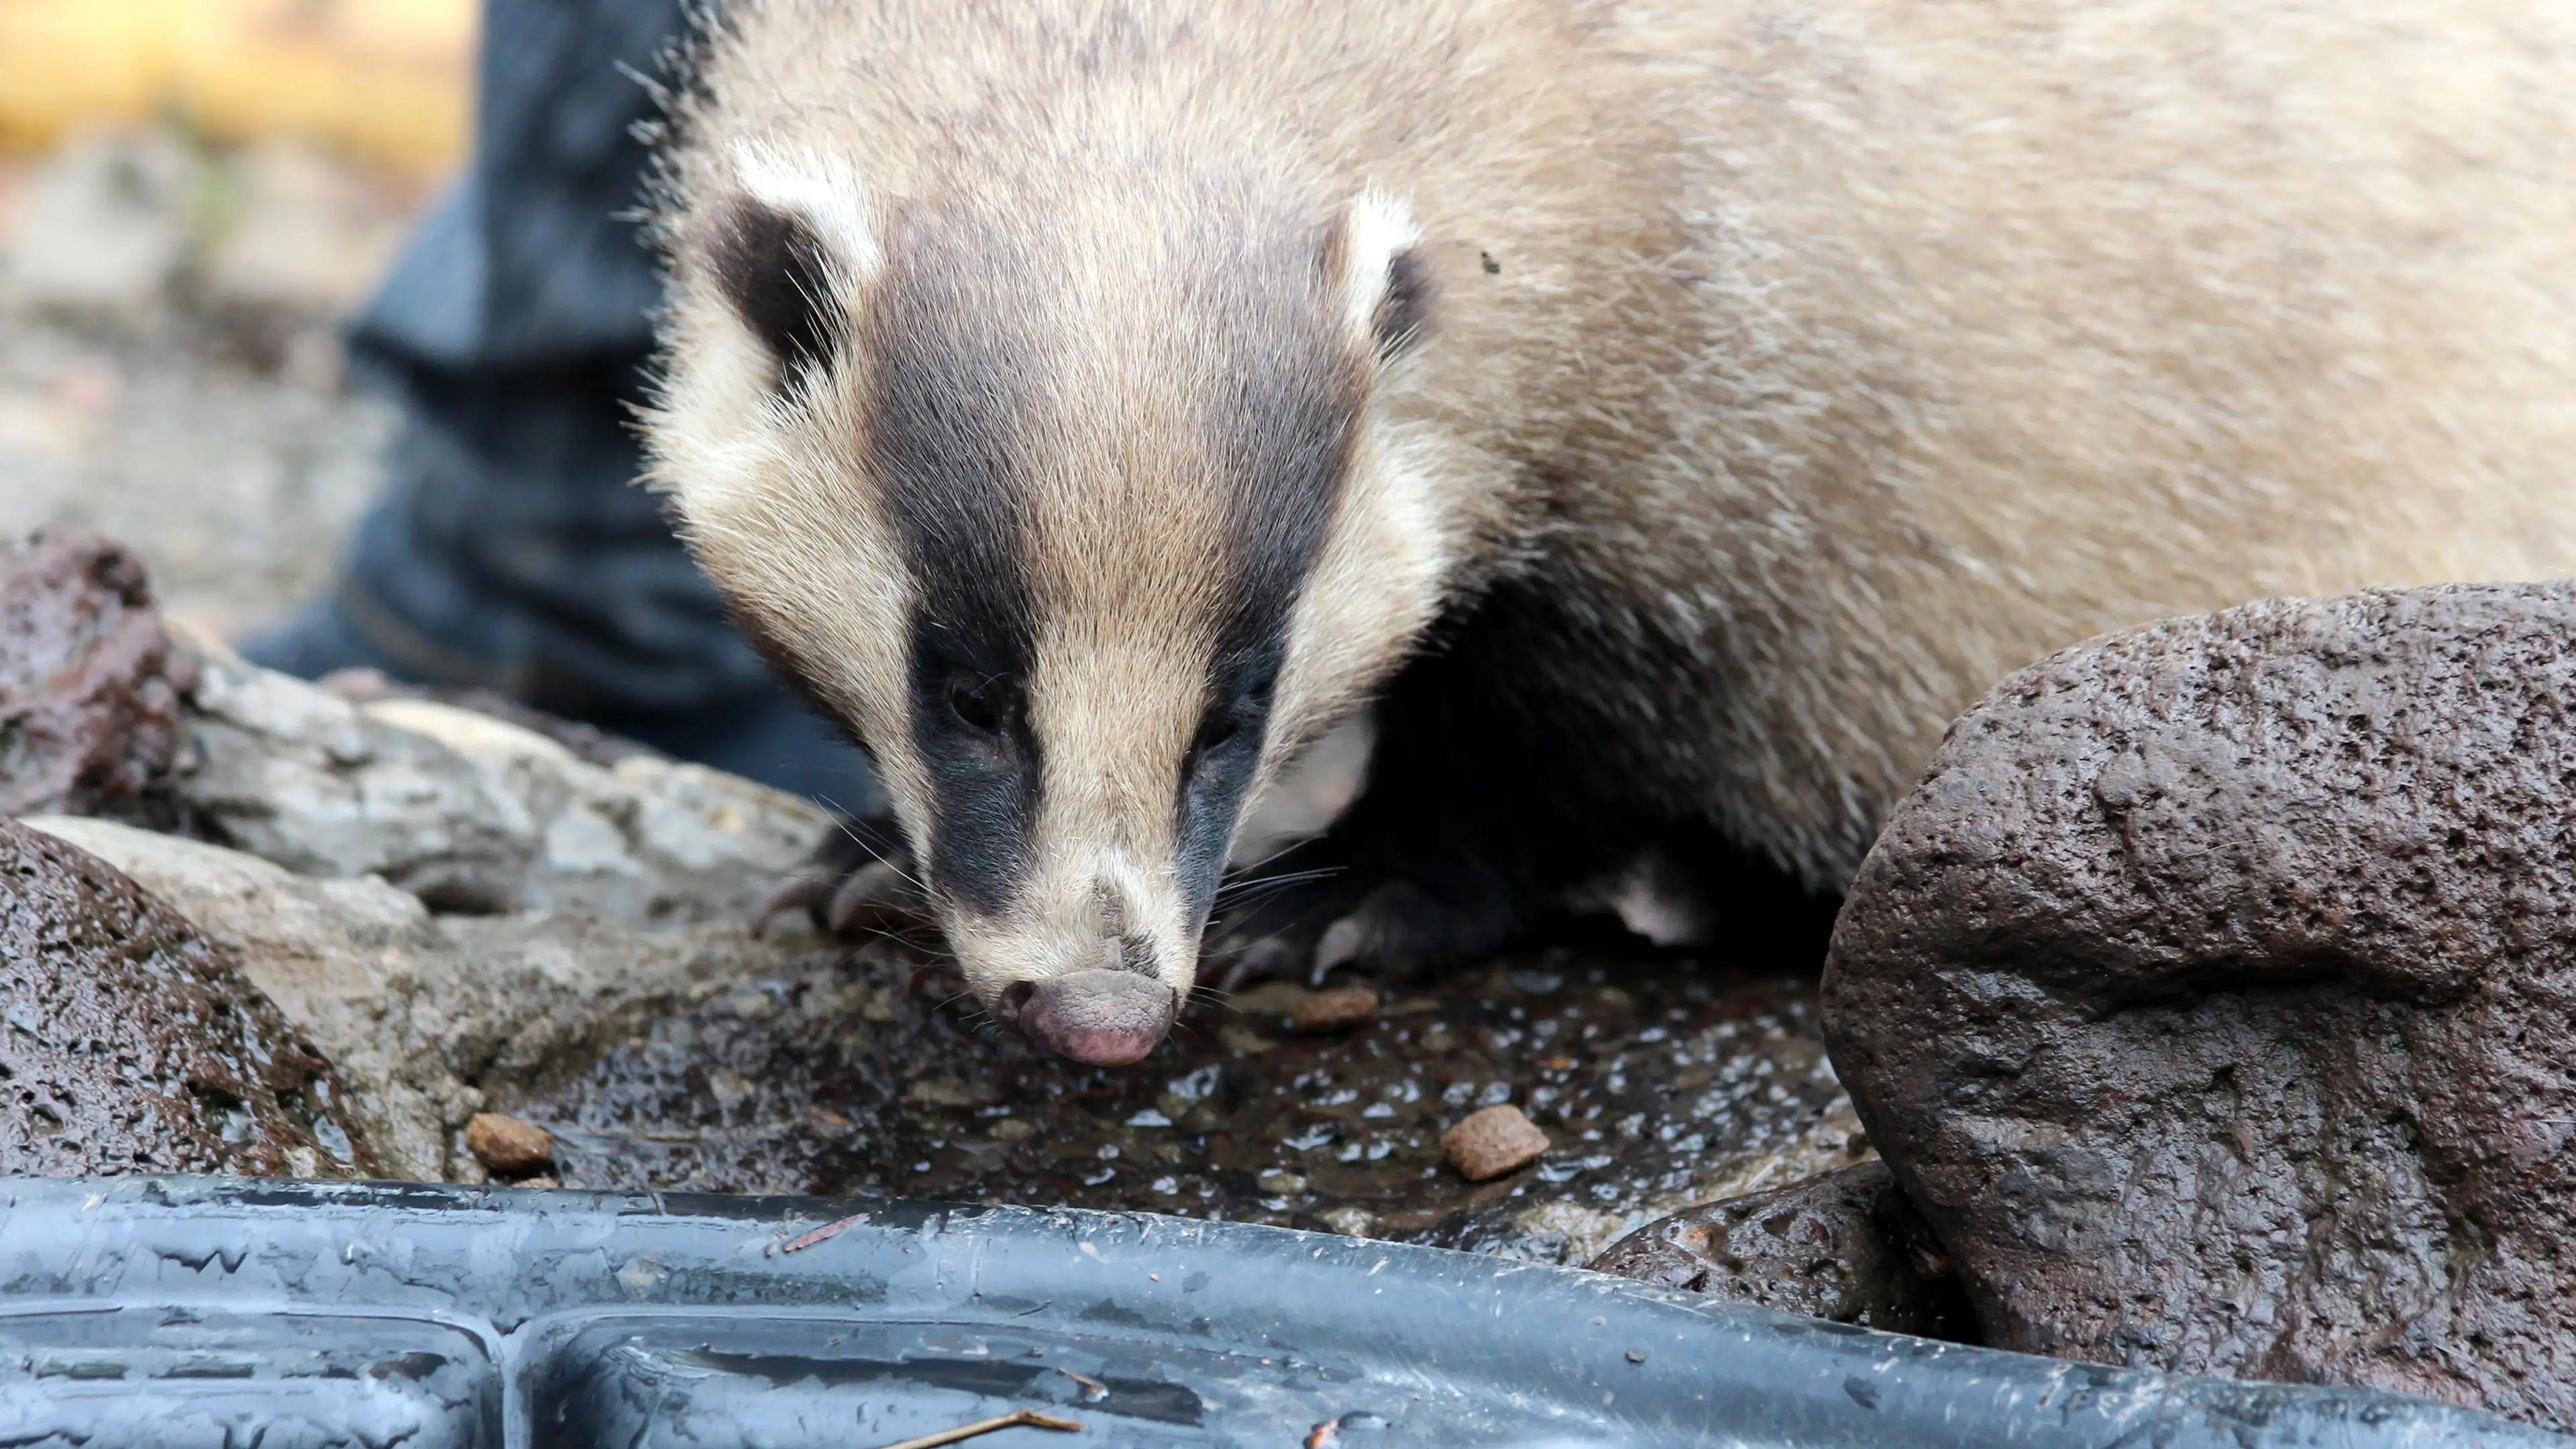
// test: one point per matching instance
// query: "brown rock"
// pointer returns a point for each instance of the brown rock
(1488, 1143)
(1845, 1246)
(128, 1044)
(2212, 996)
(507, 1145)
(89, 683)
(1337, 1009)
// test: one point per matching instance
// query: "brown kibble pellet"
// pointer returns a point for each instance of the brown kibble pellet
(1485, 1145)
(1337, 1009)
(507, 1145)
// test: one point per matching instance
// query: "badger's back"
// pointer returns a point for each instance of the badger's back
(1819, 362)
(2026, 321)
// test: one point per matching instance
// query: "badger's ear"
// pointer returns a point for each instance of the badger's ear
(1373, 255)
(791, 242)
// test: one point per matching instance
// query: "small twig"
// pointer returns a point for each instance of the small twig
(823, 1234)
(1025, 1418)
(1091, 1388)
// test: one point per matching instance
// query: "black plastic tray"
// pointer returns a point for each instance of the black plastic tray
(223, 1312)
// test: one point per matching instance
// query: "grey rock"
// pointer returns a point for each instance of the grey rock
(476, 815)
(129, 1043)
(2213, 997)
(1845, 1246)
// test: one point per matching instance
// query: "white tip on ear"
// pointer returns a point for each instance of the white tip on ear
(1375, 227)
(825, 191)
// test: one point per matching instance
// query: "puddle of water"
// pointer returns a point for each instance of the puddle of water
(1661, 1079)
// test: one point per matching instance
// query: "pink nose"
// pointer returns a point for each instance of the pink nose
(1105, 1018)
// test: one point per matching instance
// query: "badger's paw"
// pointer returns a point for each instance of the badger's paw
(858, 882)
(1390, 930)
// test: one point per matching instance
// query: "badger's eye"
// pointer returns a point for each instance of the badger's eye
(1216, 730)
(982, 705)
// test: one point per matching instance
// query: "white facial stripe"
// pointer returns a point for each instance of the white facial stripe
(1378, 582)
(778, 522)
(1376, 227)
(825, 190)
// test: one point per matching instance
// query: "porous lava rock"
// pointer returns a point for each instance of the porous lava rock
(129, 1044)
(2214, 997)
(1844, 1246)
(90, 685)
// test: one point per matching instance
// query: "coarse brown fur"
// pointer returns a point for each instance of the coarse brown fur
(1724, 392)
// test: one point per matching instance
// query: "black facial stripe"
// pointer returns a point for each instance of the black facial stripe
(1275, 390)
(774, 271)
(943, 426)
(1283, 431)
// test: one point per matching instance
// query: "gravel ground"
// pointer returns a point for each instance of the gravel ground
(235, 484)
(187, 399)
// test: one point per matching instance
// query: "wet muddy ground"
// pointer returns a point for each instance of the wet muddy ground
(1661, 1080)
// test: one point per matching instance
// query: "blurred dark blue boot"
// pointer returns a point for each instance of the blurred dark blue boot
(509, 548)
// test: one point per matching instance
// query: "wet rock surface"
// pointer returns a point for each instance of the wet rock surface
(424, 1015)
(90, 684)
(2212, 996)
(1845, 1246)
(1661, 1080)
(130, 1044)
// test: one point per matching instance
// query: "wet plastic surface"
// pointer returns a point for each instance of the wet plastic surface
(220, 1312)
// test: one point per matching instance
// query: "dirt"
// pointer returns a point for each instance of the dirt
(1661, 1079)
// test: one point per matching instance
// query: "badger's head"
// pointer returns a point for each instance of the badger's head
(1081, 504)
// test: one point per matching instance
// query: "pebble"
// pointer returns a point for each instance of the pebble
(507, 1145)
(1489, 1143)
(1337, 1009)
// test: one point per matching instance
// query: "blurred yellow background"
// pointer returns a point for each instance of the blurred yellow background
(388, 81)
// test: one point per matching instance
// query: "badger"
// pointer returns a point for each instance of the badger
(1655, 420)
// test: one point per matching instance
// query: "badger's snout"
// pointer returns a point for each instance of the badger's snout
(1103, 1017)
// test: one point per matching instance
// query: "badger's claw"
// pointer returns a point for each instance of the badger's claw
(1242, 963)
(1392, 931)
(798, 894)
(858, 882)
